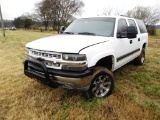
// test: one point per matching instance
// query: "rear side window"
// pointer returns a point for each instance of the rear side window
(132, 23)
(141, 26)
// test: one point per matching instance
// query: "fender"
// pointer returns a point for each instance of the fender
(99, 56)
(96, 52)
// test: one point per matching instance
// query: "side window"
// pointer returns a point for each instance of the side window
(122, 28)
(141, 26)
(132, 23)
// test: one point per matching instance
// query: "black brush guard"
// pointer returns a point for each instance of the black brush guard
(40, 73)
(37, 70)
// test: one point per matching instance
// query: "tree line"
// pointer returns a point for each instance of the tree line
(149, 15)
(55, 13)
(52, 13)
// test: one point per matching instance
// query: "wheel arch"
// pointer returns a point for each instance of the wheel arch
(144, 45)
(107, 61)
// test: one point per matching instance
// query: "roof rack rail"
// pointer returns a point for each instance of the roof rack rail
(124, 15)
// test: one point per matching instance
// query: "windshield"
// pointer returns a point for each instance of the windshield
(92, 26)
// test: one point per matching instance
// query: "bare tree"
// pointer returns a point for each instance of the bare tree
(63, 10)
(70, 8)
(42, 8)
(58, 11)
(150, 15)
(55, 13)
(111, 11)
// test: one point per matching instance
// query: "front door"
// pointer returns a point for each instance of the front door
(124, 47)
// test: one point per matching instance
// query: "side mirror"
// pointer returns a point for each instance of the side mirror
(122, 35)
(62, 29)
(131, 32)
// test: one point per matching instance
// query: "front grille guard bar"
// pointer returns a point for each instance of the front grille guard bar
(39, 64)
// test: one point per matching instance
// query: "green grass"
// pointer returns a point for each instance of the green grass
(136, 94)
(96, 104)
(158, 32)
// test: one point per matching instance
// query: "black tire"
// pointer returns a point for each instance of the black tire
(141, 58)
(101, 86)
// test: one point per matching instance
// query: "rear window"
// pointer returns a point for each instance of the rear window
(141, 26)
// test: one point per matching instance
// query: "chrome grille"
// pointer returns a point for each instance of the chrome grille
(46, 62)
(45, 54)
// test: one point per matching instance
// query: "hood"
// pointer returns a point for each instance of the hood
(66, 43)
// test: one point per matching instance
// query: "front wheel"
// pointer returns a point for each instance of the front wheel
(102, 84)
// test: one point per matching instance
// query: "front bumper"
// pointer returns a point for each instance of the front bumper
(71, 80)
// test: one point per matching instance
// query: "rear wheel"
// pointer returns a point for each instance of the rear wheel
(141, 58)
(102, 84)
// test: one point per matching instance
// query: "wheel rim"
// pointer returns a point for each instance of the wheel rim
(101, 86)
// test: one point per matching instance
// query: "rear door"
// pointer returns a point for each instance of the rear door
(136, 41)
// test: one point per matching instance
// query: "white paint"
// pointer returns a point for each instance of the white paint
(65, 43)
(75, 44)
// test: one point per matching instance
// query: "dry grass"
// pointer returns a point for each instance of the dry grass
(136, 94)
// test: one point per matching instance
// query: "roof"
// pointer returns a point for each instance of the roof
(106, 16)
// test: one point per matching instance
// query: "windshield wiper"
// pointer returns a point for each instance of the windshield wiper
(68, 33)
(86, 33)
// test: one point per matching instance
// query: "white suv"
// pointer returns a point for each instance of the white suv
(85, 54)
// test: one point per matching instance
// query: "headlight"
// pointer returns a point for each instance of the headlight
(27, 51)
(74, 57)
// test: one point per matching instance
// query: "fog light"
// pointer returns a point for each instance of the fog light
(49, 64)
(57, 65)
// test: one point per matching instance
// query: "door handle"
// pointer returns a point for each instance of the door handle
(131, 41)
